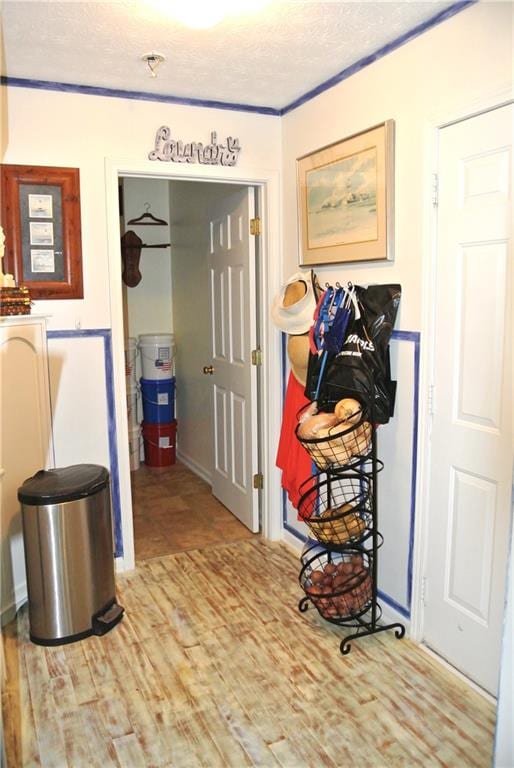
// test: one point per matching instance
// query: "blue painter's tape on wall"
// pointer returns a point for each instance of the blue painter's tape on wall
(105, 334)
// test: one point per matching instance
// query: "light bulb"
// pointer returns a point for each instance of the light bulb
(202, 14)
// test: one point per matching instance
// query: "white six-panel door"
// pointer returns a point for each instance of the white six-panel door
(232, 280)
(471, 465)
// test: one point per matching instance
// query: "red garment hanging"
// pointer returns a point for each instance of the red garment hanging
(292, 458)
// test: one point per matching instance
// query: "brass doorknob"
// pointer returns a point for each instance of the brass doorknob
(208, 369)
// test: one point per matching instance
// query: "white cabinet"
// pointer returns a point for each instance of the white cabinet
(25, 440)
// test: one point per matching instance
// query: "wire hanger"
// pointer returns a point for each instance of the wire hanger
(143, 219)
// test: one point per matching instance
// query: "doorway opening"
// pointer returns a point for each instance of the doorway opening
(194, 279)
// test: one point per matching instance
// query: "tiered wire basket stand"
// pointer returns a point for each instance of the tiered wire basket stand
(339, 505)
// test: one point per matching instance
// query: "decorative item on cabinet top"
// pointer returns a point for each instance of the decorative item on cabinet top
(14, 301)
(41, 218)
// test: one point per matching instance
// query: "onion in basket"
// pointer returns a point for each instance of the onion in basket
(348, 410)
(311, 427)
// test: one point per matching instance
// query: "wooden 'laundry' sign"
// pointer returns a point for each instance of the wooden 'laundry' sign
(176, 151)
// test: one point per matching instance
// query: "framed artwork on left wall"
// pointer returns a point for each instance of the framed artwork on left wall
(40, 215)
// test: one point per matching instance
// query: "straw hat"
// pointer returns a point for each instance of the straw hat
(298, 354)
(292, 310)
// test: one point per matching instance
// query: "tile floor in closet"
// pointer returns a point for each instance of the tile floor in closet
(174, 510)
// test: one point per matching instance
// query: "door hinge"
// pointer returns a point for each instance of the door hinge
(257, 356)
(435, 190)
(255, 226)
(258, 481)
(431, 389)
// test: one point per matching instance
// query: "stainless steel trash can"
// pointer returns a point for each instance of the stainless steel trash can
(69, 555)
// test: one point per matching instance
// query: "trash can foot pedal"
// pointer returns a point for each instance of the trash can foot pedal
(107, 619)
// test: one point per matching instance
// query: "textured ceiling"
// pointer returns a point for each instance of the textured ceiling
(267, 59)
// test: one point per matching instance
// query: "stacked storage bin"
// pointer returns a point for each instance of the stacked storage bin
(158, 398)
(134, 430)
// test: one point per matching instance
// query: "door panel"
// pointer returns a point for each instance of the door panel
(239, 427)
(220, 431)
(479, 397)
(470, 476)
(232, 270)
(470, 523)
(238, 342)
(218, 289)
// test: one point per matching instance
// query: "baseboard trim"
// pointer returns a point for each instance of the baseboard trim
(195, 467)
(9, 611)
(120, 565)
(293, 544)
(446, 664)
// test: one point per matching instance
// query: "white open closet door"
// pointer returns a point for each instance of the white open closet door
(471, 466)
(234, 381)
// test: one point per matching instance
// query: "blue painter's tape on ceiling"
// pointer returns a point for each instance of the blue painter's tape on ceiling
(367, 60)
(91, 90)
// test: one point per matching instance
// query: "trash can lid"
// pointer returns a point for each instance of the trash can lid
(55, 486)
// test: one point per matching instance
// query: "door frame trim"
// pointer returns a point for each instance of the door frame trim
(431, 134)
(268, 184)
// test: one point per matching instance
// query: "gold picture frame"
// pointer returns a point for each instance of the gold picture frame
(346, 199)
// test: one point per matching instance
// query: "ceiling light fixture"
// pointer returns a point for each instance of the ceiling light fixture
(202, 14)
(153, 60)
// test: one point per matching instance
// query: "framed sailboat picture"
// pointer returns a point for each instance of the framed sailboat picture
(346, 199)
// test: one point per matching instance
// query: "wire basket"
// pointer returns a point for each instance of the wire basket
(339, 584)
(338, 510)
(341, 446)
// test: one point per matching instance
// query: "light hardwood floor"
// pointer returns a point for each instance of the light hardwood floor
(213, 665)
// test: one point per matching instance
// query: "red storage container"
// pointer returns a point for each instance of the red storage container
(160, 442)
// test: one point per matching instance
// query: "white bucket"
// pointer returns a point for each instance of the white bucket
(132, 397)
(130, 359)
(157, 353)
(134, 446)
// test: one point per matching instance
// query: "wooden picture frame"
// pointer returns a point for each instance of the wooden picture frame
(40, 214)
(346, 199)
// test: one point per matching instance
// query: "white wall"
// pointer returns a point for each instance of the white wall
(3, 96)
(149, 303)
(84, 132)
(453, 69)
(79, 407)
(443, 73)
